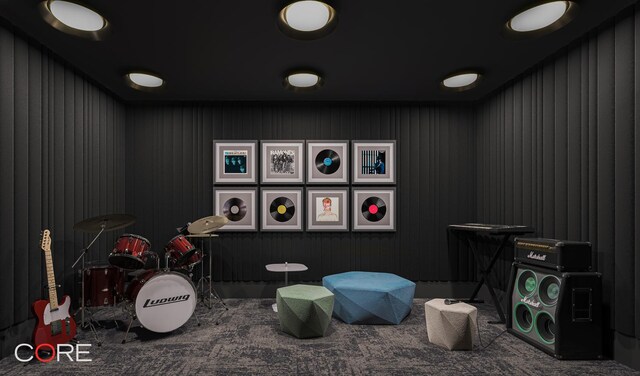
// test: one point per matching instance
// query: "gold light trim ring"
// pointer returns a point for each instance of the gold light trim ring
(462, 88)
(133, 85)
(49, 18)
(297, 89)
(568, 16)
(307, 35)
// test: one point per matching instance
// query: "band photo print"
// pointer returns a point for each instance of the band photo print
(234, 162)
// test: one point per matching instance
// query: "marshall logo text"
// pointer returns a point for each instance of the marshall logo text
(530, 302)
(535, 256)
(163, 301)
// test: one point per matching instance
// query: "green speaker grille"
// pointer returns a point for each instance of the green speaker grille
(545, 327)
(523, 317)
(527, 283)
(549, 290)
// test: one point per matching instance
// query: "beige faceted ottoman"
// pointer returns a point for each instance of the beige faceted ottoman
(452, 326)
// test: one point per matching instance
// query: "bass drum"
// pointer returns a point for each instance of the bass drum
(163, 300)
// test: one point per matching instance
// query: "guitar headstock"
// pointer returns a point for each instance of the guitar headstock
(45, 244)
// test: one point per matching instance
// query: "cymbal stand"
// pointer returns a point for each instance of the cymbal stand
(82, 257)
(212, 293)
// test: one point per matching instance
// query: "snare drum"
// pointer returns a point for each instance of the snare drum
(130, 252)
(103, 286)
(163, 300)
(182, 253)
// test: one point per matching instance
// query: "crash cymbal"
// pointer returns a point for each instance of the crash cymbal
(110, 222)
(207, 224)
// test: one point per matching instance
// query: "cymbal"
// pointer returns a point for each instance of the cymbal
(207, 224)
(110, 222)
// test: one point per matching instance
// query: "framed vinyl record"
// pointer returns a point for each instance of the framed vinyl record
(281, 209)
(238, 204)
(327, 209)
(374, 162)
(234, 162)
(374, 209)
(328, 162)
(282, 162)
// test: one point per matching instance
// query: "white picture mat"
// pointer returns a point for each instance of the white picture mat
(217, 209)
(266, 160)
(344, 161)
(218, 160)
(343, 211)
(391, 210)
(296, 193)
(390, 164)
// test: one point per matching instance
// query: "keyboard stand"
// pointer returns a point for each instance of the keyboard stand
(467, 231)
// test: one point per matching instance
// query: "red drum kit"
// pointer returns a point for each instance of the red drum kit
(162, 300)
(131, 252)
(181, 253)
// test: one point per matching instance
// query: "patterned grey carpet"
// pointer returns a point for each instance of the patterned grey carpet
(248, 342)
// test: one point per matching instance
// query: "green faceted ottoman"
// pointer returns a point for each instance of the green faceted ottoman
(304, 311)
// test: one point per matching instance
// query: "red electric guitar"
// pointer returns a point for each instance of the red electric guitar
(54, 325)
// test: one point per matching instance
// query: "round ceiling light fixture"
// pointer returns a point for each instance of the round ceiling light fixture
(542, 18)
(302, 80)
(307, 19)
(144, 81)
(461, 81)
(75, 19)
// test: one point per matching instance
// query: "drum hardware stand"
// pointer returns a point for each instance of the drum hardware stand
(83, 308)
(212, 293)
(82, 257)
(124, 340)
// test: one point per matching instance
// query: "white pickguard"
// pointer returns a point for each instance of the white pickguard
(61, 314)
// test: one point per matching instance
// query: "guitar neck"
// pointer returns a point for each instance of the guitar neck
(51, 279)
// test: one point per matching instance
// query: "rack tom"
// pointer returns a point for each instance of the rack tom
(182, 253)
(131, 252)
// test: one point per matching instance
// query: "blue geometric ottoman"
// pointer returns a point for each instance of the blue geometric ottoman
(370, 298)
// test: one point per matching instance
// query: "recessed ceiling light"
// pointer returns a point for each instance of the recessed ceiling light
(461, 81)
(303, 81)
(543, 17)
(73, 18)
(144, 81)
(307, 19)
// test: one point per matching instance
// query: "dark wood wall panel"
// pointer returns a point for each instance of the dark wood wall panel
(169, 182)
(61, 160)
(559, 150)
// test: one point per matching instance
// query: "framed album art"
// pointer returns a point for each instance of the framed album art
(238, 204)
(282, 162)
(328, 162)
(374, 162)
(234, 162)
(374, 209)
(281, 209)
(327, 209)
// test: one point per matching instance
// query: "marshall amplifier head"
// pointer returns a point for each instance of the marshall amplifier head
(560, 255)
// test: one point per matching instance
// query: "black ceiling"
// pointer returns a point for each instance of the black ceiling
(234, 50)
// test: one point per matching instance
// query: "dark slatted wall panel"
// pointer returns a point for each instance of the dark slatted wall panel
(559, 150)
(169, 175)
(61, 160)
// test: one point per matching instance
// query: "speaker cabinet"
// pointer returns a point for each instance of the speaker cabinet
(560, 313)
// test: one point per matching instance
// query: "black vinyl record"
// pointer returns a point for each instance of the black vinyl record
(234, 209)
(282, 209)
(327, 161)
(374, 209)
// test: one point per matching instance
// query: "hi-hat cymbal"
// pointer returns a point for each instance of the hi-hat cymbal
(110, 222)
(207, 224)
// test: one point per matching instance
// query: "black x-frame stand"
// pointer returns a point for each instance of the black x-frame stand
(467, 231)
